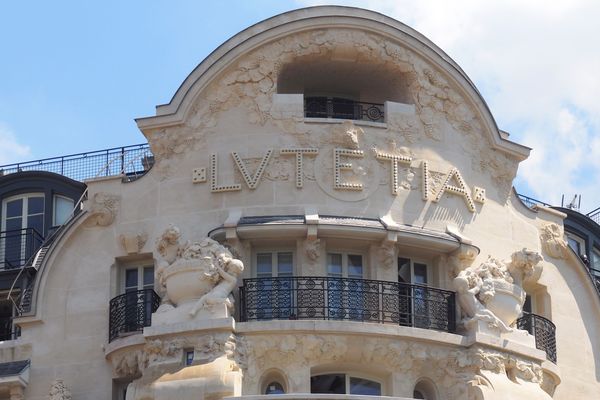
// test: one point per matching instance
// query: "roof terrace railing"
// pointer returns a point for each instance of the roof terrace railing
(131, 161)
(530, 201)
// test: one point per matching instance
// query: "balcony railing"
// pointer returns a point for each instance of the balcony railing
(131, 161)
(544, 332)
(131, 312)
(327, 298)
(338, 108)
(18, 246)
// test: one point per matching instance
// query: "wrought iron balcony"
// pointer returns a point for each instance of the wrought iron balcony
(544, 332)
(18, 246)
(131, 312)
(131, 161)
(338, 108)
(327, 298)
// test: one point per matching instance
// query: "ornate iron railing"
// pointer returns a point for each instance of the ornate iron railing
(18, 246)
(332, 107)
(131, 312)
(327, 298)
(131, 161)
(544, 332)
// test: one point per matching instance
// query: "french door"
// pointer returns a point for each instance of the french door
(22, 227)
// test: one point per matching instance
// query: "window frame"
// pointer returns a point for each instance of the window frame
(413, 261)
(345, 253)
(580, 241)
(274, 260)
(139, 266)
(54, 204)
(24, 210)
(352, 374)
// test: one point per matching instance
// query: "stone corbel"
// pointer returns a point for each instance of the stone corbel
(102, 209)
(553, 242)
(133, 242)
(231, 224)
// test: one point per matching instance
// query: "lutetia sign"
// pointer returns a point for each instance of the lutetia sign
(342, 162)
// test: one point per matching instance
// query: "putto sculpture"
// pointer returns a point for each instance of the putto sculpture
(194, 279)
(493, 291)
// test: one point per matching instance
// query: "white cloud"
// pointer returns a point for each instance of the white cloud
(537, 64)
(10, 150)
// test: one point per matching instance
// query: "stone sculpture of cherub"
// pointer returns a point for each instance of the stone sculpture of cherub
(228, 268)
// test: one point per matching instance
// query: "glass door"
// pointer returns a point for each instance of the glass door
(345, 286)
(275, 270)
(22, 227)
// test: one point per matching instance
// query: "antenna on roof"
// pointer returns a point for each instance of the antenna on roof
(575, 204)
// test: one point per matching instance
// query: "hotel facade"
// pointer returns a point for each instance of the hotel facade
(324, 210)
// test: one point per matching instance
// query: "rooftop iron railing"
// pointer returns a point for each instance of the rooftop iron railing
(18, 246)
(131, 161)
(530, 201)
(328, 298)
(131, 312)
(332, 107)
(544, 332)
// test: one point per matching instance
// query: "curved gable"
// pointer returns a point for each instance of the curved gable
(442, 71)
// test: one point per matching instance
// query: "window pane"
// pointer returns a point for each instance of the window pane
(355, 268)
(131, 278)
(35, 205)
(364, 387)
(574, 244)
(330, 383)
(420, 273)
(62, 209)
(14, 224)
(14, 208)
(527, 305)
(334, 264)
(404, 270)
(264, 264)
(274, 388)
(36, 222)
(285, 264)
(148, 277)
(596, 261)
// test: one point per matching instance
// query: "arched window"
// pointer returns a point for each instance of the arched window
(425, 389)
(273, 382)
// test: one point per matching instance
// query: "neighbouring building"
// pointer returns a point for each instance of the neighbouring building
(324, 210)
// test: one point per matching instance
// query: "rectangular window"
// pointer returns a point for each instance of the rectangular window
(63, 209)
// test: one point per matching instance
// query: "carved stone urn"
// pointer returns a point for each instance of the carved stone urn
(189, 279)
(507, 302)
(194, 279)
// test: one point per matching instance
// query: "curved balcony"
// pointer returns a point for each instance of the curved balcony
(131, 312)
(327, 298)
(544, 332)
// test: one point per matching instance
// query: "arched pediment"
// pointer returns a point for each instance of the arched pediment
(333, 32)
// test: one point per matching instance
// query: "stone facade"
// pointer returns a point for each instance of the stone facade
(246, 186)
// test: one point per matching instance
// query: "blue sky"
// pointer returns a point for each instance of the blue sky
(75, 74)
